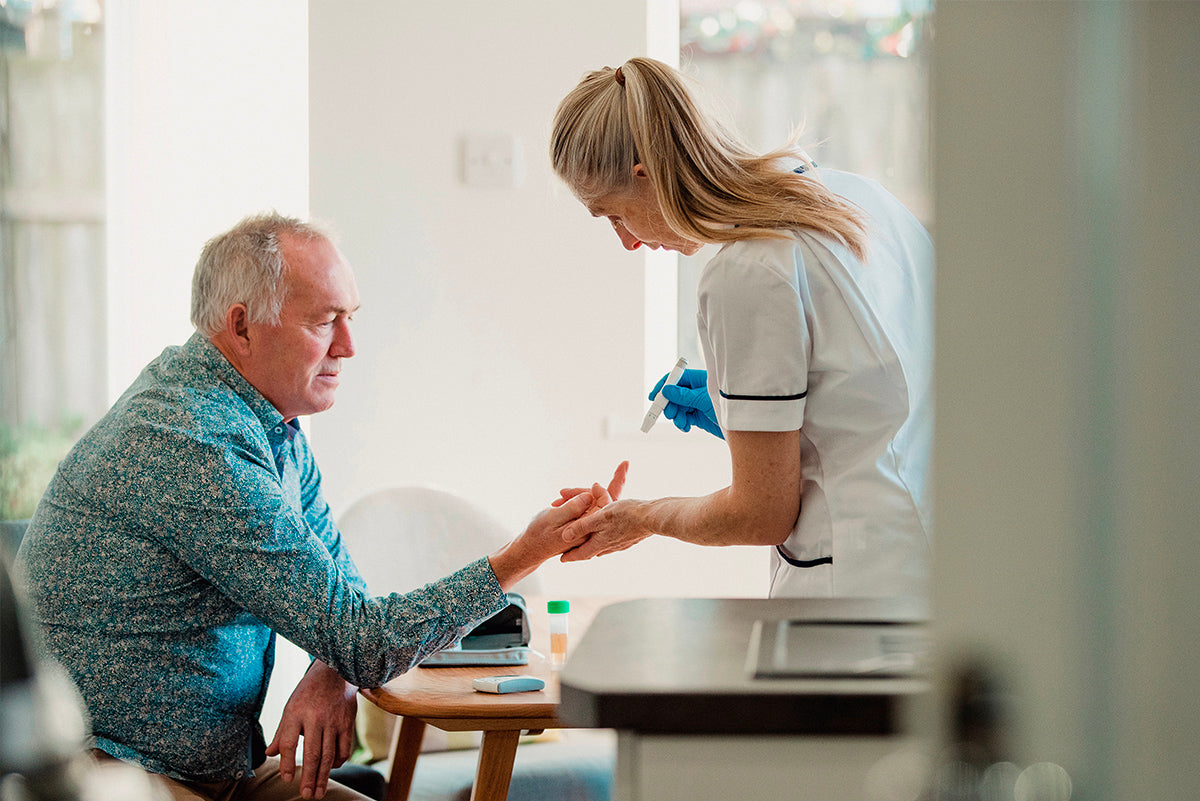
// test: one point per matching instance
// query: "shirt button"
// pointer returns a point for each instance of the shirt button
(278, 429)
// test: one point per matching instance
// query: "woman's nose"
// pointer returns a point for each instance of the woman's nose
(628, 240)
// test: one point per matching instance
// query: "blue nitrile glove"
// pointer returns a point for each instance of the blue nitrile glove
(688, 403)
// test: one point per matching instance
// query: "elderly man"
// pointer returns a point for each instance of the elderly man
(188, 527)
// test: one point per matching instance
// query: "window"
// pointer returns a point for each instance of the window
(851, 74)
(52, 274)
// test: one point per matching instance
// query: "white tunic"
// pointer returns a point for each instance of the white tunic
(799, 334)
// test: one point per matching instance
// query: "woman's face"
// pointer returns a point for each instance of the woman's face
(637, 218)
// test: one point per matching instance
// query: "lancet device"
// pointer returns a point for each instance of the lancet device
(507, 684)
(660, 402)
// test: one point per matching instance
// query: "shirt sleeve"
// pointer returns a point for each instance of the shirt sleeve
(221, 510)
(756, 338)
(319, 516)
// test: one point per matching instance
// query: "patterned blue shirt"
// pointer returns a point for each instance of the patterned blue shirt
(183, 530)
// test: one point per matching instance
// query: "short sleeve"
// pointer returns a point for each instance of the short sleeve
(755, 335)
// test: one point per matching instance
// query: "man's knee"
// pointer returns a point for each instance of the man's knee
(136, 782)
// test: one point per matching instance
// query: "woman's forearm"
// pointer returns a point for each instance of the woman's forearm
(721, 518)
(760, 507)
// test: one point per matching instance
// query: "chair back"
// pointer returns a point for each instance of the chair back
(404, 537)
(11, 534)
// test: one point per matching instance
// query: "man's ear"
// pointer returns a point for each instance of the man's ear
(237, 328)
(639, 171)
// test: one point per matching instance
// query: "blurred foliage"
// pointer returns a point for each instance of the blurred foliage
(29, 455)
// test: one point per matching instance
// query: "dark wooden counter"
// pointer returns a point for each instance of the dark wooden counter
(683, 666)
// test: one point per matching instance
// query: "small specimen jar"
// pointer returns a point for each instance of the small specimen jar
(558, 632)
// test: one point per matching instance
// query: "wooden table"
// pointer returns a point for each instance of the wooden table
(443, 697)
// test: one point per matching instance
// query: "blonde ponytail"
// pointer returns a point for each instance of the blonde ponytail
(710, 186)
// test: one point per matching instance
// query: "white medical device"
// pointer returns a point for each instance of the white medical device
(660, 402)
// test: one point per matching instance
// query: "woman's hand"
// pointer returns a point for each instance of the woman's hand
(614, 527)
(688, 403)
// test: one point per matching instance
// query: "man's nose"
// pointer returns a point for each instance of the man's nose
(343, 340)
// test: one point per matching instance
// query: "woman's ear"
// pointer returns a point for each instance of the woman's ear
(639, 171)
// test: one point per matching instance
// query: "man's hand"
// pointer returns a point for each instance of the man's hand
(601, 496)
(543, 537)
(322, 710)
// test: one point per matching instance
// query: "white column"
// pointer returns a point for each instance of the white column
(1068, 340)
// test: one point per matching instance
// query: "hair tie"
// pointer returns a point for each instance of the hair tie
(620, 76)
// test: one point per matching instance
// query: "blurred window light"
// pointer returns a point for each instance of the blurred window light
(52, 239)
(851, 75)
(750, 11)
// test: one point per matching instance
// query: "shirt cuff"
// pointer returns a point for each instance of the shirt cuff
(487, 596)
(737, 414)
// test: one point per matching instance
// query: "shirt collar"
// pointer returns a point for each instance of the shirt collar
(281, 437)
(205, 353)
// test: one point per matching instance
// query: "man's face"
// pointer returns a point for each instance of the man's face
(295, 364)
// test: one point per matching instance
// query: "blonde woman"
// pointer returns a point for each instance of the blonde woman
(815, 319)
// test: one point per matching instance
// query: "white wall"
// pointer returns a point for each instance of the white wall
(206, 121)
(1068, 442)
(501, 328)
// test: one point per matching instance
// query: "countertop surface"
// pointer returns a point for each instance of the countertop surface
(687, 666)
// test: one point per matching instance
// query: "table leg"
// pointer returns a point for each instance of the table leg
(404, 760)
(496, 757)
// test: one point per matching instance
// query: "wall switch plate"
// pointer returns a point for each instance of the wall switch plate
(492, 161)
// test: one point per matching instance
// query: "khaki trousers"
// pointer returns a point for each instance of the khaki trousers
(265, 785)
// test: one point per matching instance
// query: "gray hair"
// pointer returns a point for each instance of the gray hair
(245, 265)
